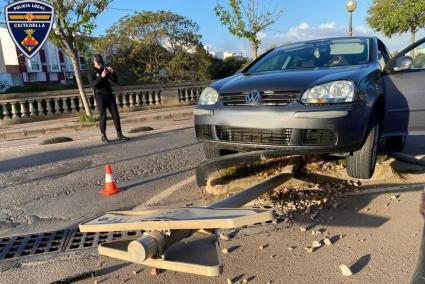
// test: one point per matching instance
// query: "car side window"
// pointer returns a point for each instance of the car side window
(383, 55)
(418, 56)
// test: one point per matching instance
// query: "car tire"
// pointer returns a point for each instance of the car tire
(211, 151)
(361, 164)
(395, 143)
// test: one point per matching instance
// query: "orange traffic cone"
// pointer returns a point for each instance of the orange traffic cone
(110, 185)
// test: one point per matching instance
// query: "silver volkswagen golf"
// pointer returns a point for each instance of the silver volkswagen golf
(329, 96)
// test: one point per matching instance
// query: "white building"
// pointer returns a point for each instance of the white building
(49, 65)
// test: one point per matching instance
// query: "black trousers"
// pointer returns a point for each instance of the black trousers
(107, 102)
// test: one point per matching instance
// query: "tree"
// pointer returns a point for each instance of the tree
(247, 21)
(397, 16)
(75, 18)
(147, 42)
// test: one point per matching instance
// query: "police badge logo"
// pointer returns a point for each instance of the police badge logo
(29, 24)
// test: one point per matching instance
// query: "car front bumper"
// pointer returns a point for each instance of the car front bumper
(297, 128)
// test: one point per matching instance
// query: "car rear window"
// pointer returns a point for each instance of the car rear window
(315, 54)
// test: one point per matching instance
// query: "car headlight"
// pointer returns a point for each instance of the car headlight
(209, 96)
(329, 93)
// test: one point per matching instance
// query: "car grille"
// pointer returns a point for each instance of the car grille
(276, 98)
(254, 135)
(203, 131)
(318, 137)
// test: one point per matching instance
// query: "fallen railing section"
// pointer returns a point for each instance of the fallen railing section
(184, 239)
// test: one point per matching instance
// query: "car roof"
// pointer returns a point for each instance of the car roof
(330, 38)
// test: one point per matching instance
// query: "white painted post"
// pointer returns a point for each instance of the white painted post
(144, 101)
(14, 112)
(156, 98)
(49, 110)
(40, 109)
(56, 106)
(72, 105)
(32, 109)
(22, 109)
(138, 99)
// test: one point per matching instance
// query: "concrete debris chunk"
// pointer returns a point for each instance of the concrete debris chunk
(303, 229)
(224, 237)
(345, 270)
(309, 249)
(316, 244)
(327, 241)
(244, 280)
(393, 197)
(154, 271)
(225, 250)
(290, 247)
(229, 281)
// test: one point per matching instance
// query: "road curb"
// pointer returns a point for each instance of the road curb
(42, 131)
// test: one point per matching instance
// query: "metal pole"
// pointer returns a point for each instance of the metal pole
(350, 26)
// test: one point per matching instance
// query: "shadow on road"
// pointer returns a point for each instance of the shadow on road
(60, 155)
(361, 263)
(78, 152)
(91, 274)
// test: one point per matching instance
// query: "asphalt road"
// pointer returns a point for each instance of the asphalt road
(53, 187)
(46, 187)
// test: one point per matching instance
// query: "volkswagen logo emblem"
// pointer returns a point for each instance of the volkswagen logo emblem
(253, 97)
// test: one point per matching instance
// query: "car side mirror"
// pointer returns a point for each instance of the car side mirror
(403, 63)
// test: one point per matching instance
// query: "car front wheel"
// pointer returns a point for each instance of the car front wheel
(361, 164)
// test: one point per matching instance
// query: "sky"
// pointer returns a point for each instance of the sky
(301, 20)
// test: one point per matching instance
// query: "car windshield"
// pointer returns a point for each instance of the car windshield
(315, 54)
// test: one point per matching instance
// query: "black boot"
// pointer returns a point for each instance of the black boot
(122, 137)
(105, 138)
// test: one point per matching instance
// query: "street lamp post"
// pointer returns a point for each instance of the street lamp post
(351, 6)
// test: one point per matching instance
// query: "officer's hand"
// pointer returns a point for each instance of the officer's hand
(104, 73)
(110, 69)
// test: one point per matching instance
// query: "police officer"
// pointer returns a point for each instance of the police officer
(105, 99)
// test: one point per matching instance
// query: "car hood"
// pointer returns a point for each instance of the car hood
(294, 80)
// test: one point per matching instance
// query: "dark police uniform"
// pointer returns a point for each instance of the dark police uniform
(105, 99)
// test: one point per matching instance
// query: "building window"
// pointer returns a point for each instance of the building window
(52, 57)
(53, 76)
(68, 64)
(34, 64)
(83, 62)
(32, 77)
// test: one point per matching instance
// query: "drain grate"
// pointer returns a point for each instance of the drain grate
(19, 246)
(56, 242)
(78, 240)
